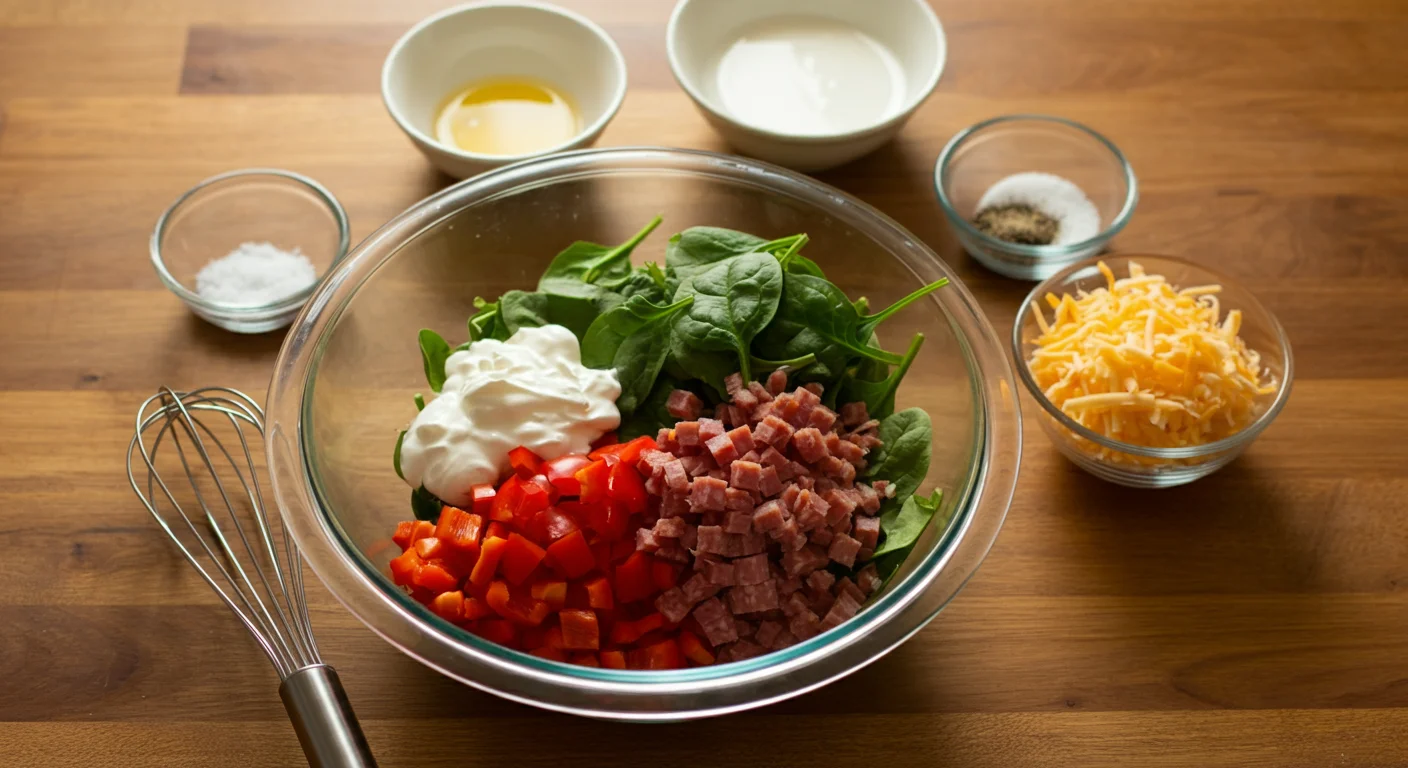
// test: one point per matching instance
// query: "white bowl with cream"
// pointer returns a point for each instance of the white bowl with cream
(444, 53)
(808, 84)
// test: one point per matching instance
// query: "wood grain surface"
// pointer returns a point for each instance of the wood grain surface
(1256, 618)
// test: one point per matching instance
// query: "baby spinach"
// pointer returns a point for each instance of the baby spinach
(485, 323)
(652, 413)
(642, 282)
(901, 527)
(733, 301)
(420, 402)
(699, 248)
(907, 444)
(396, 454)
(815, 316)
(878, 394)
(633, 339)
(581, 266)
(869, 323)
(434, 350)
(524, 309)
(424, 504)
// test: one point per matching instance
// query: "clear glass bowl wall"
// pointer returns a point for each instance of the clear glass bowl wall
(346, 376)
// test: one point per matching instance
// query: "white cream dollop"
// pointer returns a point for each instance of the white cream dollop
(531, 390)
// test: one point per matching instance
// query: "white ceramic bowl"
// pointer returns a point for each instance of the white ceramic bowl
(700, 31)
(493, 39)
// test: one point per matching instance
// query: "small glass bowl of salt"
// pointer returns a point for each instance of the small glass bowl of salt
(245, 249)
(1029, 195)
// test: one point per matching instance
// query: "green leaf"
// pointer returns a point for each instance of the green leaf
(434, 350)
(869, 323)
(698, 248)
(815, 316)
(633, 339)
(733, 301)
(485, 322)
(420, 402)
(639, 283)
(396, 454)
(901, 527)
(651, 415)
(907, 445)
(524, 309)
(424, 505)
(878, 396)
(583, 263)
(686, 362)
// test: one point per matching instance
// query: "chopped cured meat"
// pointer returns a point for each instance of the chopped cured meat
(810, 510)
(867, 442)
(769, 484)
(815, 388)
(830, 465)
(804, 560)
(752, 456)
(789, 496)
(683, 404)
(711, 518)
(848, 451)
(714, 540)
(646, 541)
(738, 521)
(722, 449)
(851, 588)
(795, 604)
(789, 535)
(670, 528)
(742, 438)
(842, 524)
(652, 462)
(810, 445)
(869, 500)
(761, 412)
(788, 585)
(820, 581)
(737, 498)
(697, 588)
(738, 416)
(746, 475)
(716, 621)
(707, 493)
(773, 431)
(767, 632)
(777, 382)
(665, 441)
(753, 598)
(697, 466)
(674, 504)
(718, 573)
(865, 554)
(710, 429)
(745, 399)
(744, 628)
(868, 426)
(804, 625)
(687, 433)
(821, 537)
(751, 544)
(854, 414)
(690, 539)
(786, 407)
(760, 392)
(750, 570)
(866, 530)
(842, 504)
(821, 418)
(883, 488)
(868, 579)
(743, 649)
(655, 486)
(676, 478)
(784, 640)
(673, 605)
(771, 456)
(843, 550)
(843, 608)
(670, 550)
(801, 474)
(733, 383)
(769, 516)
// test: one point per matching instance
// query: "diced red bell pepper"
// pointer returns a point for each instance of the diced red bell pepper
(435, 578)
(555, 523)
(520, 558)
(664, 573)
(483, 499)
(571, 556)
(518, 607)
(460, 529)
(625, 487)
(488, 564)
(551, 654)
(525, 463)
(475, 609)
(562, 473)
(613, 659)
(501, 631)
(608, 438)
(541, 637)
(594, 481)
(554, 593)
(633, 579)
(620, 550)
(611, 521)
(404, 531)
(537, 496)
(579, 630)
(423, 528)
(507, 501)
(498, 530)
(584, 660)
(662, 655)
(449, 606)
(553, 638)
(599, 593)
(628, 453)
(404, 568)
(693, 649)
(627, 632)
(428, 548)
(601, 551)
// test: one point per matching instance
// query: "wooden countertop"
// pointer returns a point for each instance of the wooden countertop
(1259, 617)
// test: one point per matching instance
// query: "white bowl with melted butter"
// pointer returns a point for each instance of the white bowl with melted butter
(486, 84)
(808, 84)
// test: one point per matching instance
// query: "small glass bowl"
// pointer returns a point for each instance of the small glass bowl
(257, 205)
(983, 154)
(1133, 465)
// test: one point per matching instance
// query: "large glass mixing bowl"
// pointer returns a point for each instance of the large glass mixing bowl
(344, 382)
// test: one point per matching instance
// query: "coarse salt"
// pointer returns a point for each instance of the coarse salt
(1053, 196)
(255, 274)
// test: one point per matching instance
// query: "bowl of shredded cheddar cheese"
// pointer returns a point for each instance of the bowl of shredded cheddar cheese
(1152, 371)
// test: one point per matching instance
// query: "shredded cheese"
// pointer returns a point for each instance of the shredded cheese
(1142, 362)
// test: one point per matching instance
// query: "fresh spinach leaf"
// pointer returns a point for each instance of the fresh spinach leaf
(901, 525)
(424, 505)
(651, 414)
(396, 454)
(869, 323)
(907, 445)
(485, 323)
(815, 316)
(698, 248)
(420, 402)
(581, 266)
(640, 283)
(633, 339)
(434, 350)
(878, 395)
(524, 309)
(686, 362)
(733, 301)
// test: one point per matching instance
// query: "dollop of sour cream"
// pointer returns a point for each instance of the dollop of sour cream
(531, 390)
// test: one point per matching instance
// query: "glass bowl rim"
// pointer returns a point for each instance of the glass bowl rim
(985, 484)
(226, 309)
(1121, 219)
(1235, 440)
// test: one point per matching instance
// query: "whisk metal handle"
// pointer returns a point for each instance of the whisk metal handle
(323, 719)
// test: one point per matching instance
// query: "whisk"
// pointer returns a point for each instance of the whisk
(252, 564)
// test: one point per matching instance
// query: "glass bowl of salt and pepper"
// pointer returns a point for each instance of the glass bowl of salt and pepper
(1028, 195)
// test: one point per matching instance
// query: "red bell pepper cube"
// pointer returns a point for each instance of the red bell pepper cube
(613, 659)
(554, 593)
(423, 528)
(609, 438)
(520, 558)
(525, 463)
(612, 522)
(693, 649)
(449, 605)
(664, 573)
(501, 631)
(551, 654)
(537, 496)
(460, 530)
(435, 577)
(555, 523)
(584, 660)
(498, 530)
(517, 607)
(507, 500)
(625, 487)
(599, 593)
(633, 579)
(579, 630)
(627, 632)
(662, 655)
(404, 531)
(562, 473)
(628, 453)
(593, 480)
(404, 568)
(488, 564)
(571, 556)
(428, 548)
(482, 496)
(475, 609)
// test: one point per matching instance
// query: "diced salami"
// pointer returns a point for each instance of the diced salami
(854, 414)
(842, 524)
(743, 649)
(794, 604)
(760, 392)
(707, 494)
(846, 472)
(867, 442)
(842, 609)
(788, 585)
(676, 478)
(710, 429)
(666, 442)
(751, 544)
(767, 632)
(810, 445)
(670, 550)
(820, 581)
(742, 438)
(737, 498)
(722, 449)
(804, 625)
(789, 496)
(645, 540)
(716, 621)
(753, 598)
(784, 640)
(673, 605)
(733, 383)
(738, 521)
(804, 561)
(719, 573)
(697, 466)
(683, 404)
(821, 537)
(690, 539)
(864, 554)
(821, 602)
(652, 462)
(869, 425)
(790, 536)
(687, 433)
(669, 528)
(851, 588)
(744, 628)
(769, 484)
(674, 504)
(769, 516)
(810, 510)
(850, 452)
(713, 539)
(745, 399)
(832, 466)
(697, 588)
(824, 484)
(868, 579)
(801, 474)
(750, 570)
(746, 475)
(773, 431)
(866, 530)
(883, 489)
(815, 388)
(655, 485)
(752, 456)
(712, 518)
(786, 407)
(868, 498)
(842, 504)
(771, 456)
(777, 382)
(821, 418)
(843, 550)
(762, 411)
